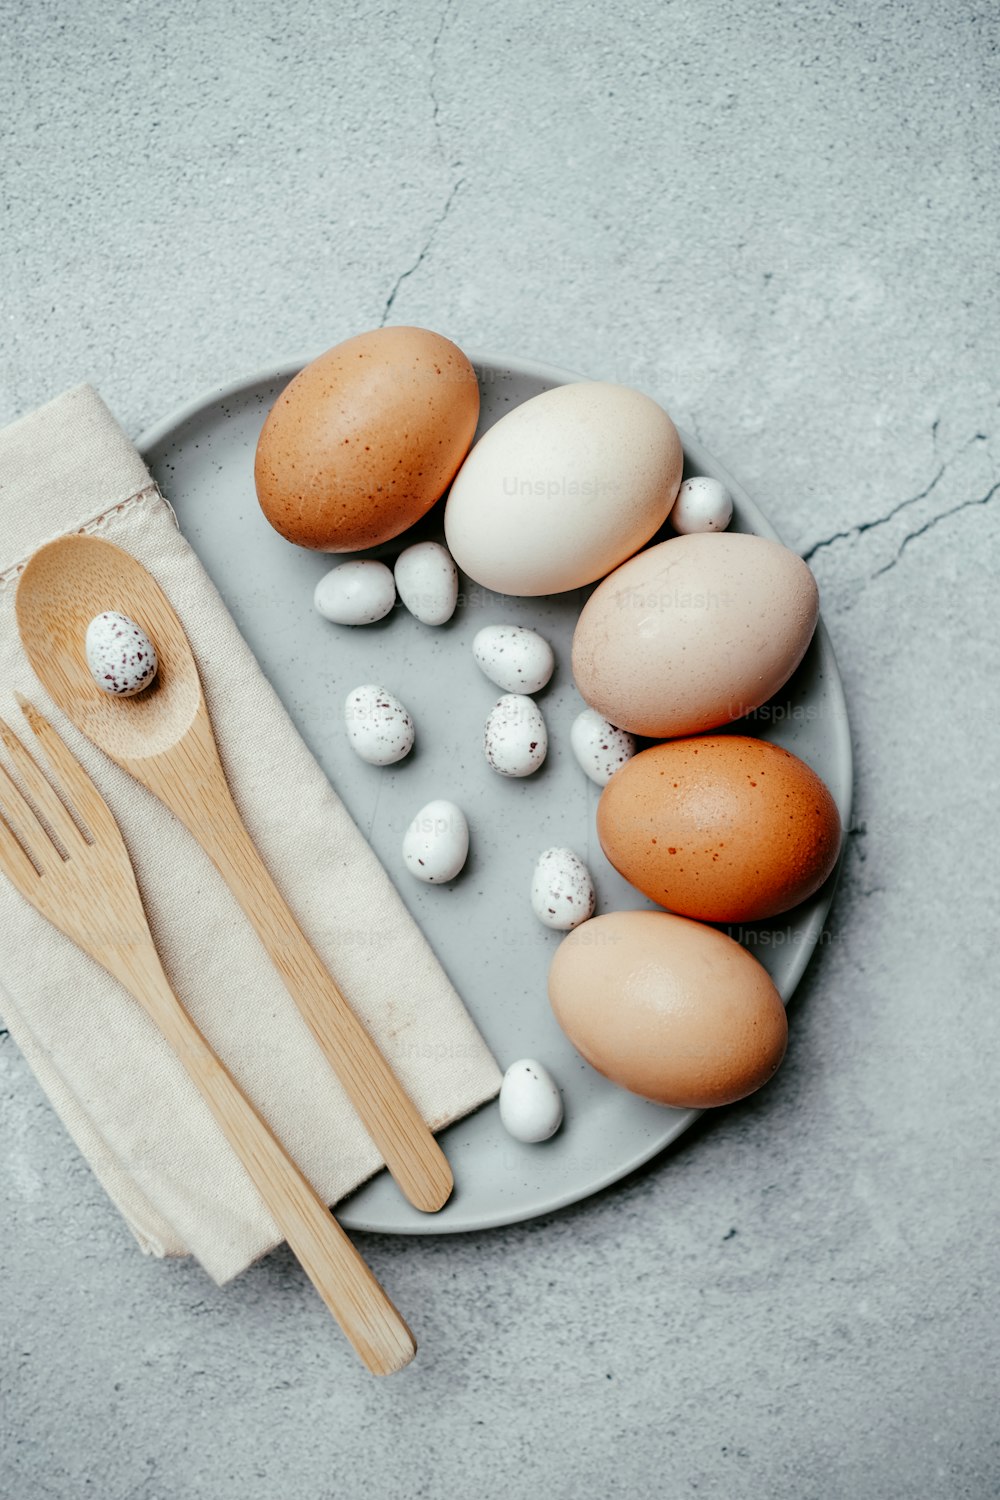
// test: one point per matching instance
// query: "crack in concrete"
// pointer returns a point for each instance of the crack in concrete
(929, 525)
(432, 77)
(405, 275)
(864, 526)
(877, 521)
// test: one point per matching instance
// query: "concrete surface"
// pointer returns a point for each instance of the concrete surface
(783, 221)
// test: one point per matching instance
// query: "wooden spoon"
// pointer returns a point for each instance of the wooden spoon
(163, 737)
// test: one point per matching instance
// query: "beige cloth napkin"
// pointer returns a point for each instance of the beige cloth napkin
(124, 1099)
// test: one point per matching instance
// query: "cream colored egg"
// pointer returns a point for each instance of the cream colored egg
(694, 633)
(563, 489)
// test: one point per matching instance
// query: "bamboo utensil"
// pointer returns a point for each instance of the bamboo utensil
(163, 737)
(84, 885)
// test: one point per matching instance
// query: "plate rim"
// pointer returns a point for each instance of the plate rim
(160, 431)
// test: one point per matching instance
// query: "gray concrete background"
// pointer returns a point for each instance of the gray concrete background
(783, 222)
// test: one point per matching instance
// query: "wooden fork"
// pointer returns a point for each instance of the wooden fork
(65, 854)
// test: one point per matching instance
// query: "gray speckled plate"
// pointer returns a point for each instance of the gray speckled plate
(481, 926)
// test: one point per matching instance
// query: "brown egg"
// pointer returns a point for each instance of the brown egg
(366, 438)
(668, 1008)
(721, 827)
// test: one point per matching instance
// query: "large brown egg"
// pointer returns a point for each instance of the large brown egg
(668, 1008)
(366, 438)
(721, 827)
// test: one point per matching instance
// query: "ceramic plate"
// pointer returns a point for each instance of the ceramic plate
(481, 927)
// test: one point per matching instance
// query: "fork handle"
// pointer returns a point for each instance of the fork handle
(406, 1143)
(341, 1276)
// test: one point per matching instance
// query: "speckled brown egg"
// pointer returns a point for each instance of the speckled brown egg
(366, 438)
(667, 1008)
(724, 828)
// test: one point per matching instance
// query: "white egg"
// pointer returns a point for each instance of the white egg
(355, 593)
(702, 504)
(515, 658)
(599, 747)
(531, 1107)
(378, 726)
(563, 488)
(427, 580)
(516, 739)
(562, 892)
(121, 657)
(436, 844)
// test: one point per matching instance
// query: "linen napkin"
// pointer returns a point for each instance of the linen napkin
(123, 1097)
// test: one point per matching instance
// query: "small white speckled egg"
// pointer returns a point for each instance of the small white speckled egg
(378, 726)
(427, 581)
(702, 504)
(121, 657)
(599, 747)
(516, 739)
(355, 593)
(562, 892)
(436, 844)
(531, 1107)
(515, 658)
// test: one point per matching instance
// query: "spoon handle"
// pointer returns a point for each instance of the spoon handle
(202, 800)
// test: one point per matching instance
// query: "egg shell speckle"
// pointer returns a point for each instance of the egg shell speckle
(355, 593)
(378, 726)
(366, 438)
(723, 828)
(531, 1107)
(121, 657)
(702, 504)
(600, 748)
(517, 659)
(427, 580)
(516, 740)
(562, 892)
(436, 843)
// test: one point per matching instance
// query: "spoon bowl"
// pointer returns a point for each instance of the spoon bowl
(64, 585)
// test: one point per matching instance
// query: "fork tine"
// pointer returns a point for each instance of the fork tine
(40, 791)
(76, 784)
(15, 863)
(22, 816)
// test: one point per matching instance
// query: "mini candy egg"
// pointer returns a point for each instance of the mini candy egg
(427, 581)
(121, 657)
(516, 659)
(702, 504)
(378, 725)
(355, 593)
(516, 738)
(599, 747)
(531, 1107)
(436, 844)
(562, 892)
